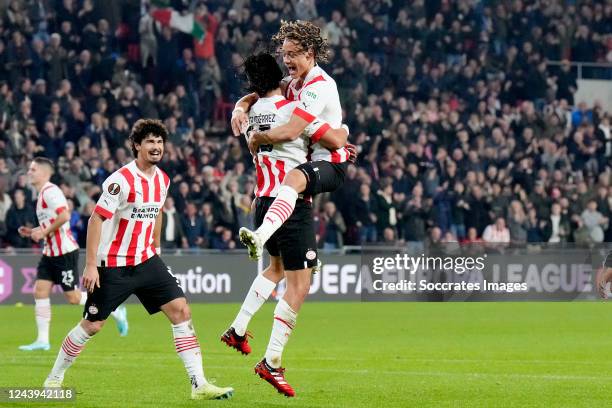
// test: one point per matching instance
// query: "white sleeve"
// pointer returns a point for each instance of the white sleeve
(54, 197)
(114, 193)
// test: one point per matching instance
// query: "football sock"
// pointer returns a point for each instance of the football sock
(277, 214)
(188, 349)
(42, 311)
(284, 322)
(70, 350)
(83, 298)
(260, 290)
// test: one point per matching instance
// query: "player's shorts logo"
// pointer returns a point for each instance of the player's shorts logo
(310, 255)
(114, 189)
(93, 310)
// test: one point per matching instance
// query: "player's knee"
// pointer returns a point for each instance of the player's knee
(92, 328)
(74, 299)
(184, 313)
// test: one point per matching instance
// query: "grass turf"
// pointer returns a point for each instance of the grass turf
(341, 355)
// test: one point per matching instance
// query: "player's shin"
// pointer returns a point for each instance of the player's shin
(188, 349)
(284, 322)
(42, 310)
(71, 348)
(258, 293)
(277, 214)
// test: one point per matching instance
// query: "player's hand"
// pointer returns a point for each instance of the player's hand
(37, 234)
(254, 142)
(239, 122)
(352, 150)
(25, 232)
(91, 278)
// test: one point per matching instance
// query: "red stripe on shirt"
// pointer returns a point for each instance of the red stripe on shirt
(335, 157)
(129, 177)
(144, 254)
(157, 187)
(260, 178)
(282, 103)
(103, 212)
(131, 252)
(145, 189)
(58, 241)
(116, 244)
(319, 133)
(268, 164)
(303, 114)
(280, 166)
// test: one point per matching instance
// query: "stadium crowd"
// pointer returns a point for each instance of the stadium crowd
(464, 131)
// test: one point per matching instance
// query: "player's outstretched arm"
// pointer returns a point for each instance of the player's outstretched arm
(280, 134)
(240, 119)
(91, 278)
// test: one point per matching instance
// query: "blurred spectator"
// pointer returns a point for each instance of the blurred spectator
(497, 233)
(19, 215)
(193, 227)
(334, 227)
(594, 221)
(172, 227)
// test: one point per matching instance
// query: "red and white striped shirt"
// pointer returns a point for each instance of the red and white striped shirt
(51, 203)
(130, 203)
(273, 162)
(318, 98)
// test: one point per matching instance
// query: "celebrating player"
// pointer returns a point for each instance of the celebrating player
(59, 263)
(317, 94)
(293, 248)
(123, 239)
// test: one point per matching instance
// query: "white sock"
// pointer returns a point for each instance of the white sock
(83, 298)
(284, 322)
(42, 311)
(188, 349)
(70, 350)
(257, 295)
(277, 214)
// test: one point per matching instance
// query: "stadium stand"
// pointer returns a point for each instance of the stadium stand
(461, 124)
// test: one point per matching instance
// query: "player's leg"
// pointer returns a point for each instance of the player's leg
(116, 285)
(297, 245)
(262, 287)
(159, 290)
(42, 313)
(293, 184)
(285, 318)
(73, 344)
(69, 280)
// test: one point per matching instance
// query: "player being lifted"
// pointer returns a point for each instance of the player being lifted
(59, 262)
(292, 248)
(123, 239)
(302, 48)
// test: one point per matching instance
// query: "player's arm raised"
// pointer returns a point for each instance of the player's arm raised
(240, 119)
(91, 278)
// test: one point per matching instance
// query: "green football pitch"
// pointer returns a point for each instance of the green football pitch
(342, 355)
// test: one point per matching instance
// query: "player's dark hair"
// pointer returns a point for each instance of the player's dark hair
(45, 162)
(263, 73)
(306, 35)
(145, 127)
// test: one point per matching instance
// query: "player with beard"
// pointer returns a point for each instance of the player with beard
(123, 240)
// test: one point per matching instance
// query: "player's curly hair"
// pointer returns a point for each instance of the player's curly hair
(306, 35)
(143, 128)
(263, 73)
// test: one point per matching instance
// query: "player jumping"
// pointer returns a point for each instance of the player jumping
(292, 248)
(59, 263)
(123, 239)
(317, 96)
